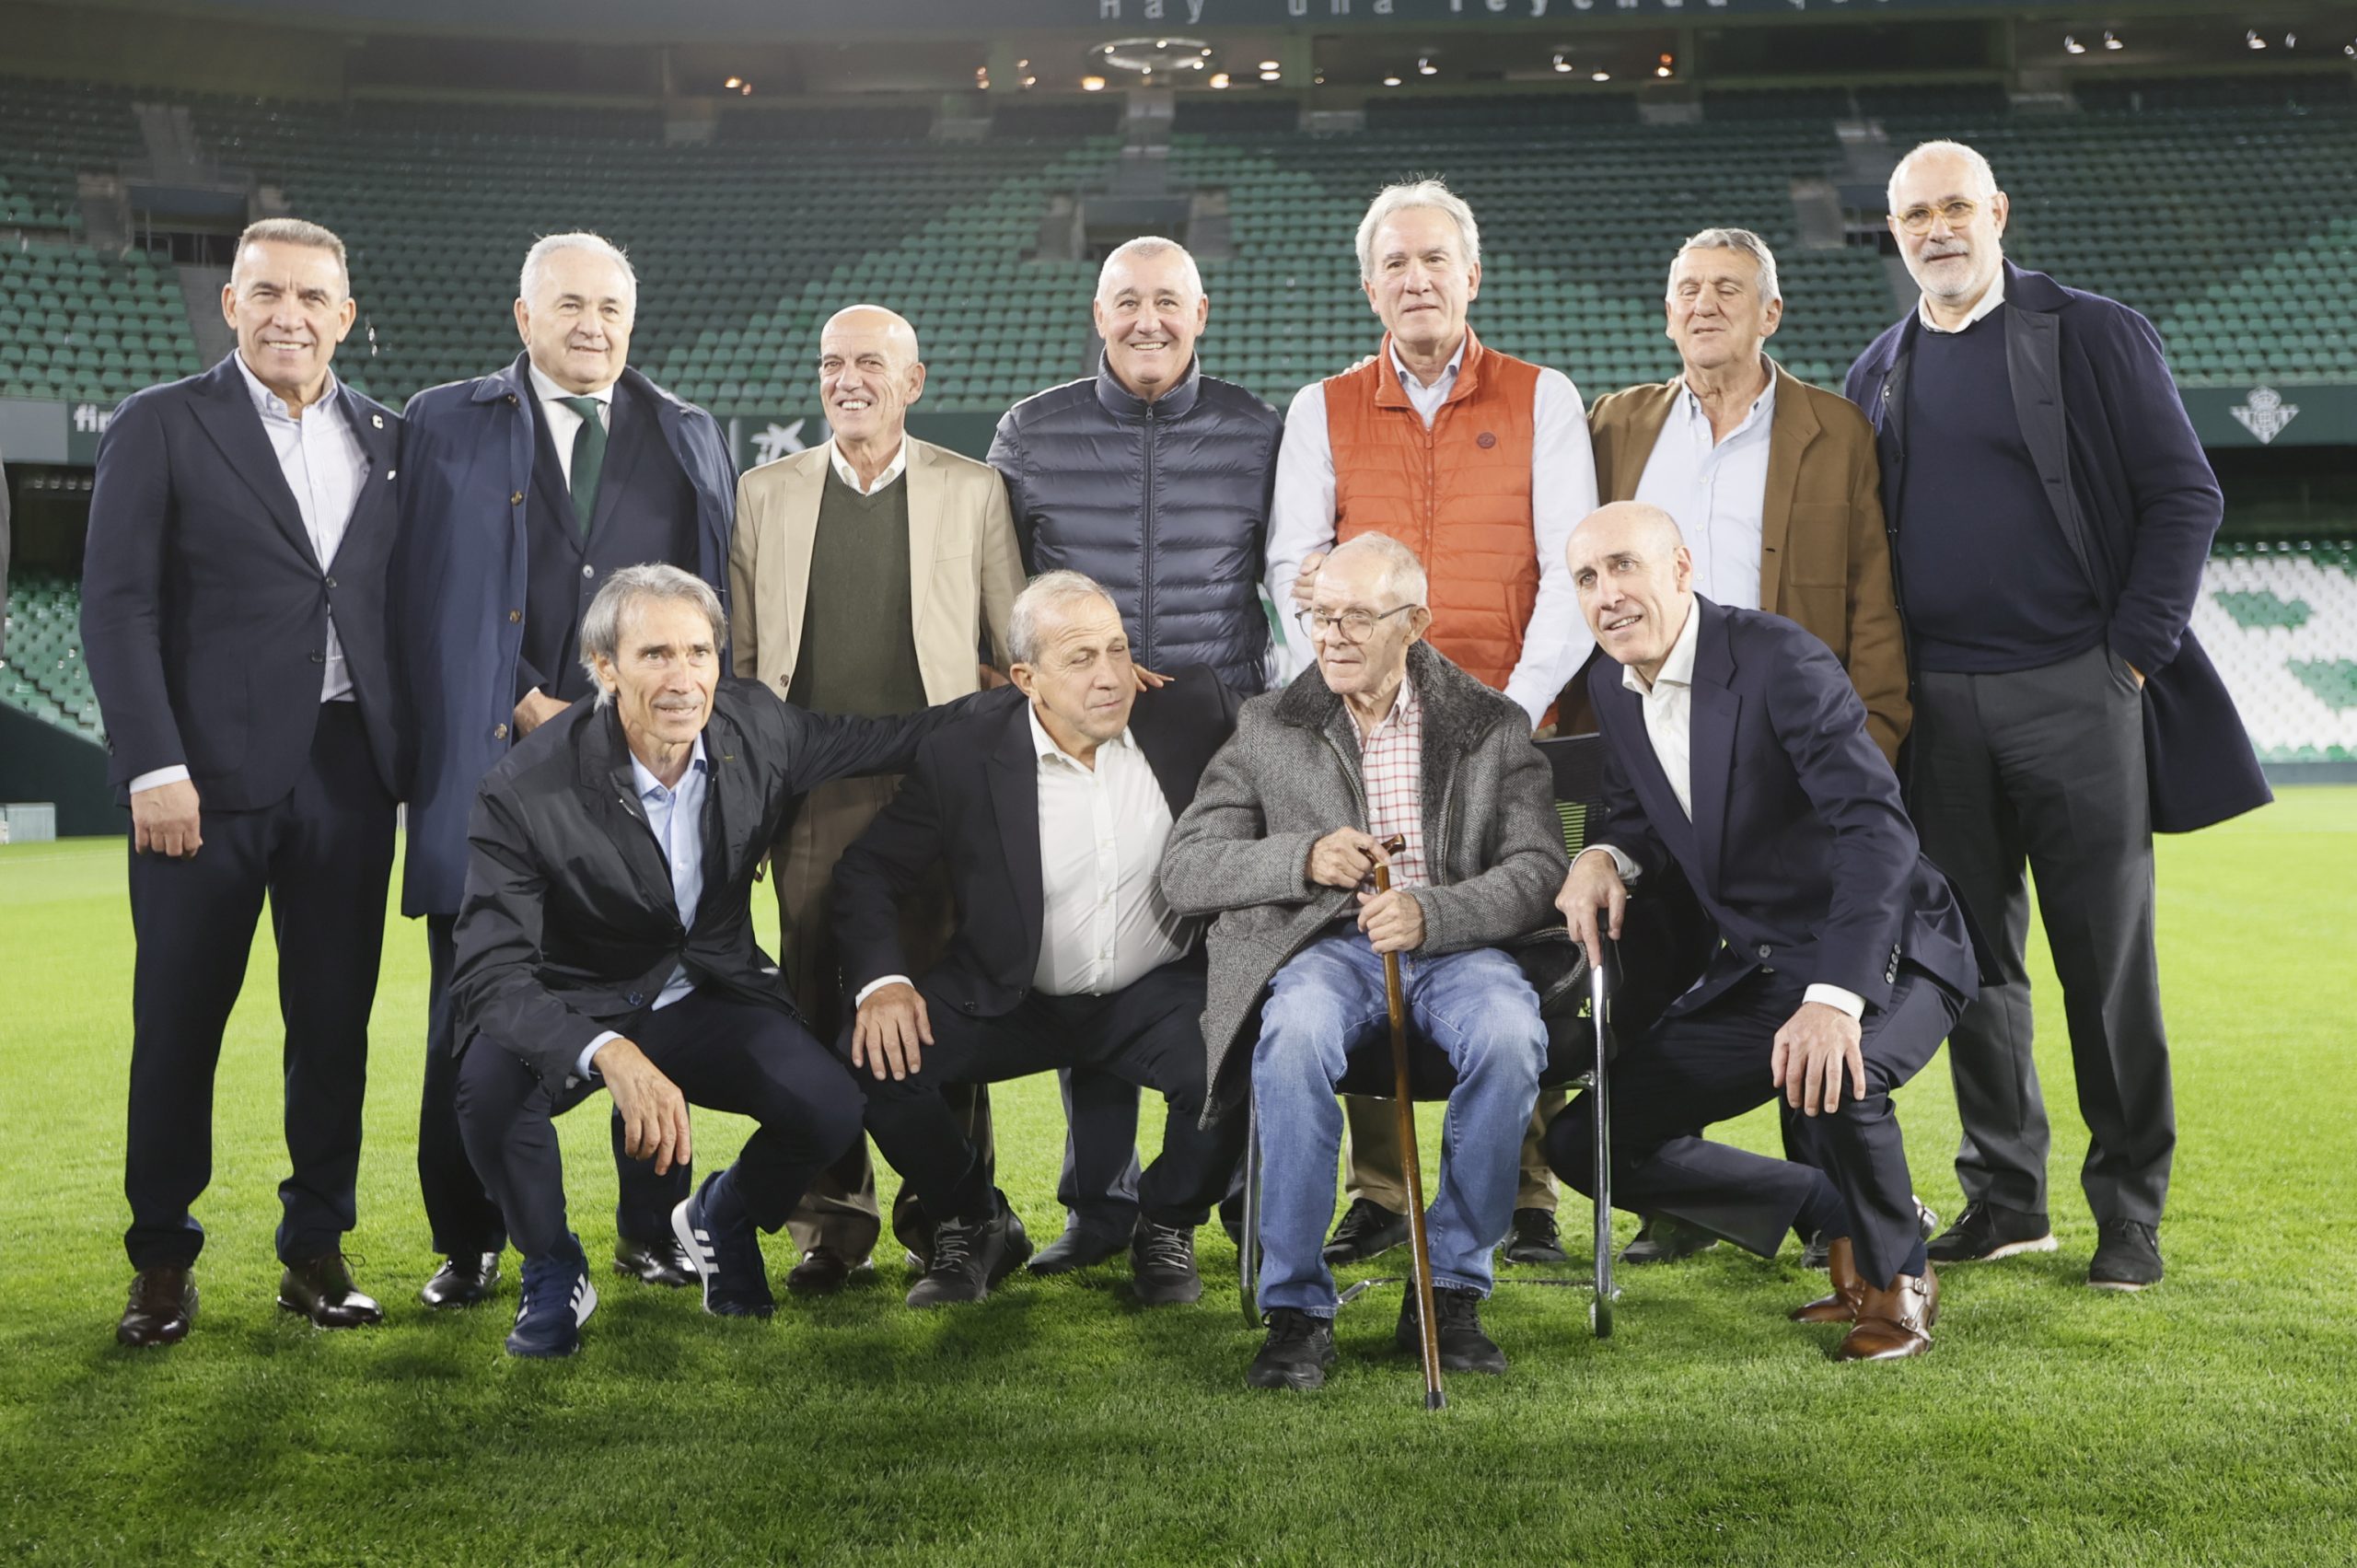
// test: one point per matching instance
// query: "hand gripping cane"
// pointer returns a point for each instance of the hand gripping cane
(1427, 1331)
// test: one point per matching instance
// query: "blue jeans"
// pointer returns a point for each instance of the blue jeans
(1327, 1002)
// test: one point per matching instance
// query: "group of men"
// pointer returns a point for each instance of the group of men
(1105, 823)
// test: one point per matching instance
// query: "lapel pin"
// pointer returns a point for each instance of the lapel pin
(377, 419)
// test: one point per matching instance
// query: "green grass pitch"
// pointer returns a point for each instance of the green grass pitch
(2207, 1421)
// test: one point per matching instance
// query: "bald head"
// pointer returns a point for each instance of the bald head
(1635, 581)
(868, 375)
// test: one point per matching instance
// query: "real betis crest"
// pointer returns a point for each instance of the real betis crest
(2265, 414)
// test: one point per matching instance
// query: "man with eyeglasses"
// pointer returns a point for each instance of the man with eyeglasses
(1384, 736)
(2050, 510)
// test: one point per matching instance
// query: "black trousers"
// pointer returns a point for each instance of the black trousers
(322, 857)
(1693, 1069)
(2043, 770)
(458, 1206)
(1147, 1035)
(724, 1055)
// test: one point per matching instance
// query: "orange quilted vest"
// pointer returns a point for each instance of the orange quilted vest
(1457, 494)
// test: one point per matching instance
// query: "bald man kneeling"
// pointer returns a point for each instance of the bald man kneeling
(1739, 754)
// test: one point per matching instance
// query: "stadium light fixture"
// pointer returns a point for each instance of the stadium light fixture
(1600, 76)
(1424, 66)
(1390, 81)
(1270, 65)
(1219, 79)
(1273, 76)
(733, 83)
(1092, 84)
(1561, 64)
(1030, 81)
(2072, 45)
(2252, 40)
(1667, 64)
(2111, 41)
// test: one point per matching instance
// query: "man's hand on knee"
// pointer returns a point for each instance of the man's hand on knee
(1592, 900)
(1812, 1051)
(654, 1113)
(889, 1031)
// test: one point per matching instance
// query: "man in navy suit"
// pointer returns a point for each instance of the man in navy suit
(525, 490)
(1739, 753)
(233, 613)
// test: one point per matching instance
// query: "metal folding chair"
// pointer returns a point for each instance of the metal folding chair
(1579, 1048)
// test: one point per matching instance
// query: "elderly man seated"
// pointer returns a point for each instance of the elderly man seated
(1384, 737)
(1050, 818)
(605, 938)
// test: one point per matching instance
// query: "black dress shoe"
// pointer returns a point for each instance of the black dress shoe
(1077, 1249)
(162, 1306)
(2128, 1255)
(663, 1262)
(1162, 1264)
(1664, 1240)
(969, 1255)
(463, 1279)
(1367, 1229)
(1985, 1232)
(1535, 1239)
(1463, 1346)
(1295, 1355)
(321, 1288)
(822, 1271)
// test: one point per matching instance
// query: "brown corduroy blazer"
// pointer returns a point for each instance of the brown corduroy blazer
(1824, 560)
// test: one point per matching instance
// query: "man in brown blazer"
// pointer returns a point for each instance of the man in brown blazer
(1775, 485)
(828, 542)
(1772, 480)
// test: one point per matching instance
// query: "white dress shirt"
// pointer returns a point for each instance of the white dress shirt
(1988, 302)
(1562, 491)
(563, 422)
(1717, 490)
(325, 466)
(675, 815)
(1669, 724)
(850, 475)
(1103, 922)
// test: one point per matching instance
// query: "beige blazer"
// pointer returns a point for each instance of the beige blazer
(964, 568)
(1824, 560)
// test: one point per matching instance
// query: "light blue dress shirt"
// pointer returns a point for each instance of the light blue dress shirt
(676, 816)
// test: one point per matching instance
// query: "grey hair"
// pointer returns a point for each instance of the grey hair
(294, 231)
(1418, 193)
(1741, 239)
(1151, 245)
(548, 245)
(1403, 575)
(1985, 178)
(601, 624)
(1047, 588)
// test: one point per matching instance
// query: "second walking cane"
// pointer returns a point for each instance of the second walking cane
(1404, 1107)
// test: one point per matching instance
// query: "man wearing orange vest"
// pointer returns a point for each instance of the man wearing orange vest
(1479, 463)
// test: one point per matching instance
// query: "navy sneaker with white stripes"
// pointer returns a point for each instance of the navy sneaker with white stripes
(558, 1298)
(718, 1234)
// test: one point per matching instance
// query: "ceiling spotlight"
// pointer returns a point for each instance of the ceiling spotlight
(1562, 64)
(1219, 79)
(1023, 64)
(1390, 81)
(1424, 66)
(2290, 41)
(2072, 45)
(1600, 76)
(2252, 40)
(733, 83)
(1092, 84)
(1271, 75)
(1661, 70)
(2111, 41)
(1319, 79)
(1030, 81)
(745, 90)
(1162, 44)
(1270, 65)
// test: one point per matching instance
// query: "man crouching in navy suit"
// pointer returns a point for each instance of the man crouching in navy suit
(1052, 818)
(1738, 752)
(605, 936)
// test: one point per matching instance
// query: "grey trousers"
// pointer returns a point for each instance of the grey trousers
(2045, 768)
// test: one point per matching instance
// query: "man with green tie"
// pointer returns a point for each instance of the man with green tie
(522, 492)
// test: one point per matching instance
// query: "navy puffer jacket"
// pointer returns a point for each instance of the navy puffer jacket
(1166, 503)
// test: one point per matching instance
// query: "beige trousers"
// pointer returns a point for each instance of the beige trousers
(1376, 1170)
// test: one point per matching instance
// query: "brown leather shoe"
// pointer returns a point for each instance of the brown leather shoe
(162, 1306)
(1896, 1323)
(322, 1289)
(1841, 1306)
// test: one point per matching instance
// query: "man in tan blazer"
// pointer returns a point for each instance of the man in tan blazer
(828, 542)
(1774, 484)
(1772, 480)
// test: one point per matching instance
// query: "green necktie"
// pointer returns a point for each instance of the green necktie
(588, 457)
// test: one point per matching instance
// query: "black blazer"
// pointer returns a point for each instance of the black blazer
(205, 609)
(972, 801)
(1798, 850)
(569, 926)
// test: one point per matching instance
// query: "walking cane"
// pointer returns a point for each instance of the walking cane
(1427, 1331)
